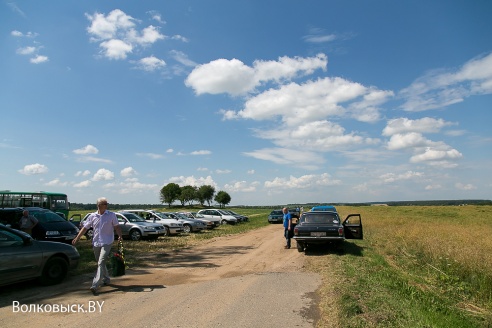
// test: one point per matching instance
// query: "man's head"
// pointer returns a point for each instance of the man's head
(102, 202)
(285, 210)
(25, 213)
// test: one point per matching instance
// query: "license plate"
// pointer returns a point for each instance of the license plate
(318, 234)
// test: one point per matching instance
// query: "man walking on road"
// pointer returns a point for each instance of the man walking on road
(287, 226)
(104, 223)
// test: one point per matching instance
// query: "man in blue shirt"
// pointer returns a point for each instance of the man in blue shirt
(103, 223)
(287, 226)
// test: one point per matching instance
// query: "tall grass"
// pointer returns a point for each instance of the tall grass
(441, 256)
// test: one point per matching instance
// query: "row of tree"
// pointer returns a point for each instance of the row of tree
(188, 194)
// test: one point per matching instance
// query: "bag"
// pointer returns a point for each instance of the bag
(118, 261)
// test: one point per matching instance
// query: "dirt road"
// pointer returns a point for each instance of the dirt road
(246, 280)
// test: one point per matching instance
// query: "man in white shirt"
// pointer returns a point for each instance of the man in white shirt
(103, 223)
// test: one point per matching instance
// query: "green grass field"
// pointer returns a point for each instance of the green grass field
(418, 266)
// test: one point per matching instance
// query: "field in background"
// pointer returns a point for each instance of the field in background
(418, 266)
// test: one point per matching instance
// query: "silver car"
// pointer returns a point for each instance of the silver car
(23, 258)
(132, 226)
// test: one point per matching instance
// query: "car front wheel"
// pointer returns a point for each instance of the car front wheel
(187, 228)
(54, 271)
(135, 235)
(166, 232)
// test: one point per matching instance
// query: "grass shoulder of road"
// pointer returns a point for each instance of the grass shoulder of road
(400, 275)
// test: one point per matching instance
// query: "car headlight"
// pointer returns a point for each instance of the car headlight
(53, 233)
(149, 228)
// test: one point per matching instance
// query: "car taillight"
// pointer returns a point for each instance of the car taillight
(296, 231)
(340, 231)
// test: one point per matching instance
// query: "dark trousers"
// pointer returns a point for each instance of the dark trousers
(288, 236)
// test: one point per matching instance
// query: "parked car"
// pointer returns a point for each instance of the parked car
(239, 217)
(132, 226)
(189, 225)
(196, 216)
(218, 216)
(50, 227)
(171, 226)
(276, 216)
(325, 227)
(23, 258)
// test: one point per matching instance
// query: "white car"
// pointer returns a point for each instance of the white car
(171, 226)
(218, 216)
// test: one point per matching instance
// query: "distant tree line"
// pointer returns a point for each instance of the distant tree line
(187, 195)
(223, 199)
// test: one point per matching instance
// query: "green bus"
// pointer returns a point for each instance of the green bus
(55, 201)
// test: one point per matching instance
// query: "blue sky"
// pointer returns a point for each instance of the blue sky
(275, 102)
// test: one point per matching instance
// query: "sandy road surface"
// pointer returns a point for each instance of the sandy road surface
(246, 280)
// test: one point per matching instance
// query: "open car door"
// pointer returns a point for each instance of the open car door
(352, 226)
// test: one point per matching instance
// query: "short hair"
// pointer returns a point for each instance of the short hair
(101, 199)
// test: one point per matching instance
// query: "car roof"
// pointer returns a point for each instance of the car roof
(329, 208)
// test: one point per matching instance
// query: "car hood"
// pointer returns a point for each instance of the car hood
(55, 247)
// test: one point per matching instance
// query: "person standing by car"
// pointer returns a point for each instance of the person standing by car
(287, 226)
(27, 222)
(104, 223)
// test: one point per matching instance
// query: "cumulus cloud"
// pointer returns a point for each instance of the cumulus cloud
(300, 158)
(39, 59)
(103, 174)
(192, 181)
(241, 186)
(83, 173)
(83, 184)
(32, 169)
(423, 125)
(56, 183)
(236, 78)
(439, 88)
(151, 64)
(128, 172)
(118, 36)
(89, 149)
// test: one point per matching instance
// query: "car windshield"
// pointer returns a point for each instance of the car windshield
(276, 213)
(133, 217)
(223, 212)
(321, 218)
(47, 217)
(162, 215)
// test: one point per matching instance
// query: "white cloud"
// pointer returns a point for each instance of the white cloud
(34, 169)
(151, 155)
(116, 49)
(223, 171)
(423, 125)
(462, 186)
(392, 177)
(128, 172)
(89, 149)
(117, 34)
(56, 183)
(103, 174)
(151, 63)
(83, 184)
(39, 59)
(236, 78)
(302, 182)
(300, 158)
(83, 173)
(26, 50)
(436, 155)
(438, 88)
(182, 58)
(201, 152)
(241, 186)
(192, 181)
